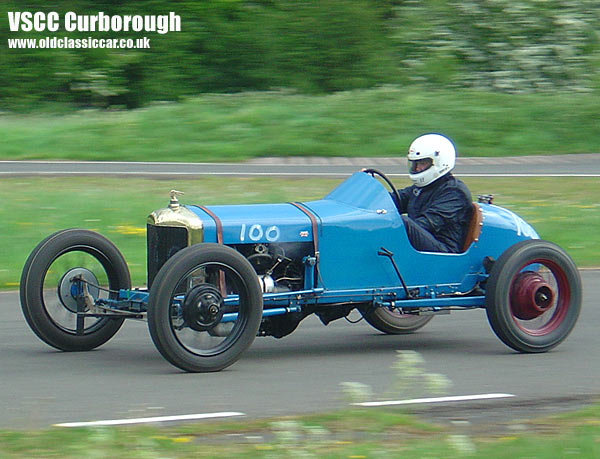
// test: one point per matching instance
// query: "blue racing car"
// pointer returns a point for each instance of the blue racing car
(218, 276)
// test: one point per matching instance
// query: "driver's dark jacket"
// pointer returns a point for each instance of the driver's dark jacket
(442, 208)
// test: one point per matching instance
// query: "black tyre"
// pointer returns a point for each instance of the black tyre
(44, 289)
(533, 296)
(392, 322)
(205, 307)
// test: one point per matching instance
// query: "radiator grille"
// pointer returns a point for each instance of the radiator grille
(163, 243)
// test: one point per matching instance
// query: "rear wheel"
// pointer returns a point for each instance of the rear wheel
(533, 296)
(205, 307)
(394, 322)
(47, 300)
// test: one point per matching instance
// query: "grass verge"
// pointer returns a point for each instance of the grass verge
(563, 210)
(351, 433)
(374, 122)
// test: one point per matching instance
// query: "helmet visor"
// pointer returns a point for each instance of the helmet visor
(419, 165)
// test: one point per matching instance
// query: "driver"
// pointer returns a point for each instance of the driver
(438, 205)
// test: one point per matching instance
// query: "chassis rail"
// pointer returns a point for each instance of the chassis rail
(133, 303)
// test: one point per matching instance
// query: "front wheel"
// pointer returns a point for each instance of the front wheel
(205, 307)
(533, 296)
(47, 299)
(392, 322)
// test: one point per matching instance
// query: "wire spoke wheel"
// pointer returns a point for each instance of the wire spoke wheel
(533, 296)
(197, 318)
(48, 300)
(539, 299)
(393, 322)
(205, 307)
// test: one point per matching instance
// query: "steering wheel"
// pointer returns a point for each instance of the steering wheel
(375, 172)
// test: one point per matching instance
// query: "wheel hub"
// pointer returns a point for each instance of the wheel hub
(68, 290)
(530, 296)
(203, 307)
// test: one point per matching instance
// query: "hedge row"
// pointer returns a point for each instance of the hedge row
(311, 46)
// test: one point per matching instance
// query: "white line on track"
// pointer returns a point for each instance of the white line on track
(262, 174)
(456, 398)
(321, 161)
(491, 174)
(145, 163)
(120, 422)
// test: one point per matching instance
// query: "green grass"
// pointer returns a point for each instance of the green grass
(375, 122)
(356, 433)
(563, 210)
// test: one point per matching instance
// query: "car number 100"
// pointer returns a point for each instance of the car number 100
(256, 232)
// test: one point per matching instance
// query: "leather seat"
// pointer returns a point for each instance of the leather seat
(474, 229)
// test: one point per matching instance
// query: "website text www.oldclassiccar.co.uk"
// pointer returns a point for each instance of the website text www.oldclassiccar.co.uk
(26, 21)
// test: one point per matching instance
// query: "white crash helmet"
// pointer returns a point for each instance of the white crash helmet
(436, 150)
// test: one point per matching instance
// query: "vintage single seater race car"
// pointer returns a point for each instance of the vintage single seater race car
(218, 276)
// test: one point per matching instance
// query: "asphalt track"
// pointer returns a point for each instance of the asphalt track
(127, 378)
(581, 165)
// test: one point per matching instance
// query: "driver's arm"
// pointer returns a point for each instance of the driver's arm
(403, 204)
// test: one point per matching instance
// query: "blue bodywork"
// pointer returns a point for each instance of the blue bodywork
(353, 222)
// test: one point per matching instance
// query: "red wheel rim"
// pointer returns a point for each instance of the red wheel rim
(550, 320)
